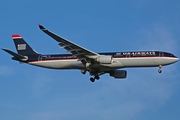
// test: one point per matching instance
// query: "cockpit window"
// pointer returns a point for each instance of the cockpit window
(168, 55)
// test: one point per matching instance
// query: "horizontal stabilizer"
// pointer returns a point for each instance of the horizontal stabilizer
(18, 56)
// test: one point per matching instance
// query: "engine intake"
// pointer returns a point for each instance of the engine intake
(105, 59)
(118, 74)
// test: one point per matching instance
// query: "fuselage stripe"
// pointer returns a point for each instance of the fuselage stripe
(75, 59)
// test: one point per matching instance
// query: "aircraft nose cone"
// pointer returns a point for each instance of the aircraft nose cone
(177, 59)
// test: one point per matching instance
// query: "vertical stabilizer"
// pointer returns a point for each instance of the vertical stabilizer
(21, 46)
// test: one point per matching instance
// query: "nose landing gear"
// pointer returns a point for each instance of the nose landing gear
(160, 67)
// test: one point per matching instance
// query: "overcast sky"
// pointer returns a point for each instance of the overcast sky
(32, 93)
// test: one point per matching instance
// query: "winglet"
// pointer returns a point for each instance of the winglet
(41, 27)
(16, 36)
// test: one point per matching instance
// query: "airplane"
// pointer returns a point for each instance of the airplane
(85, 60)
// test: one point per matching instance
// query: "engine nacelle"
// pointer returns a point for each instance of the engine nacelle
(105, 59)
(118, 73)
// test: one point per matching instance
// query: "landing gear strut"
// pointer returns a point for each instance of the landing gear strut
(160, 67)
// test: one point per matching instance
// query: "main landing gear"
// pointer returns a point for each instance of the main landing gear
(92, 79)
(96, 77)
(160, 67)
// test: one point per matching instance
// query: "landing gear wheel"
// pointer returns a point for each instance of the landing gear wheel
(92, 79)
(96, 77)
(160, 67)
(160, 71)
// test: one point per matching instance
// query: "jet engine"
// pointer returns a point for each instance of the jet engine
(118, 73)
(105, 59)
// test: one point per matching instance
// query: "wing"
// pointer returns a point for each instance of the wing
(73, 48)
(87, 57)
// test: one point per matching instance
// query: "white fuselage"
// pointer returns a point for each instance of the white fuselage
(117, 63)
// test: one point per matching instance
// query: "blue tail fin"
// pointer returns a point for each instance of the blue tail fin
(21, 46)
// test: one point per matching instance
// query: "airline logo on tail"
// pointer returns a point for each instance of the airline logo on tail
(21, 46)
